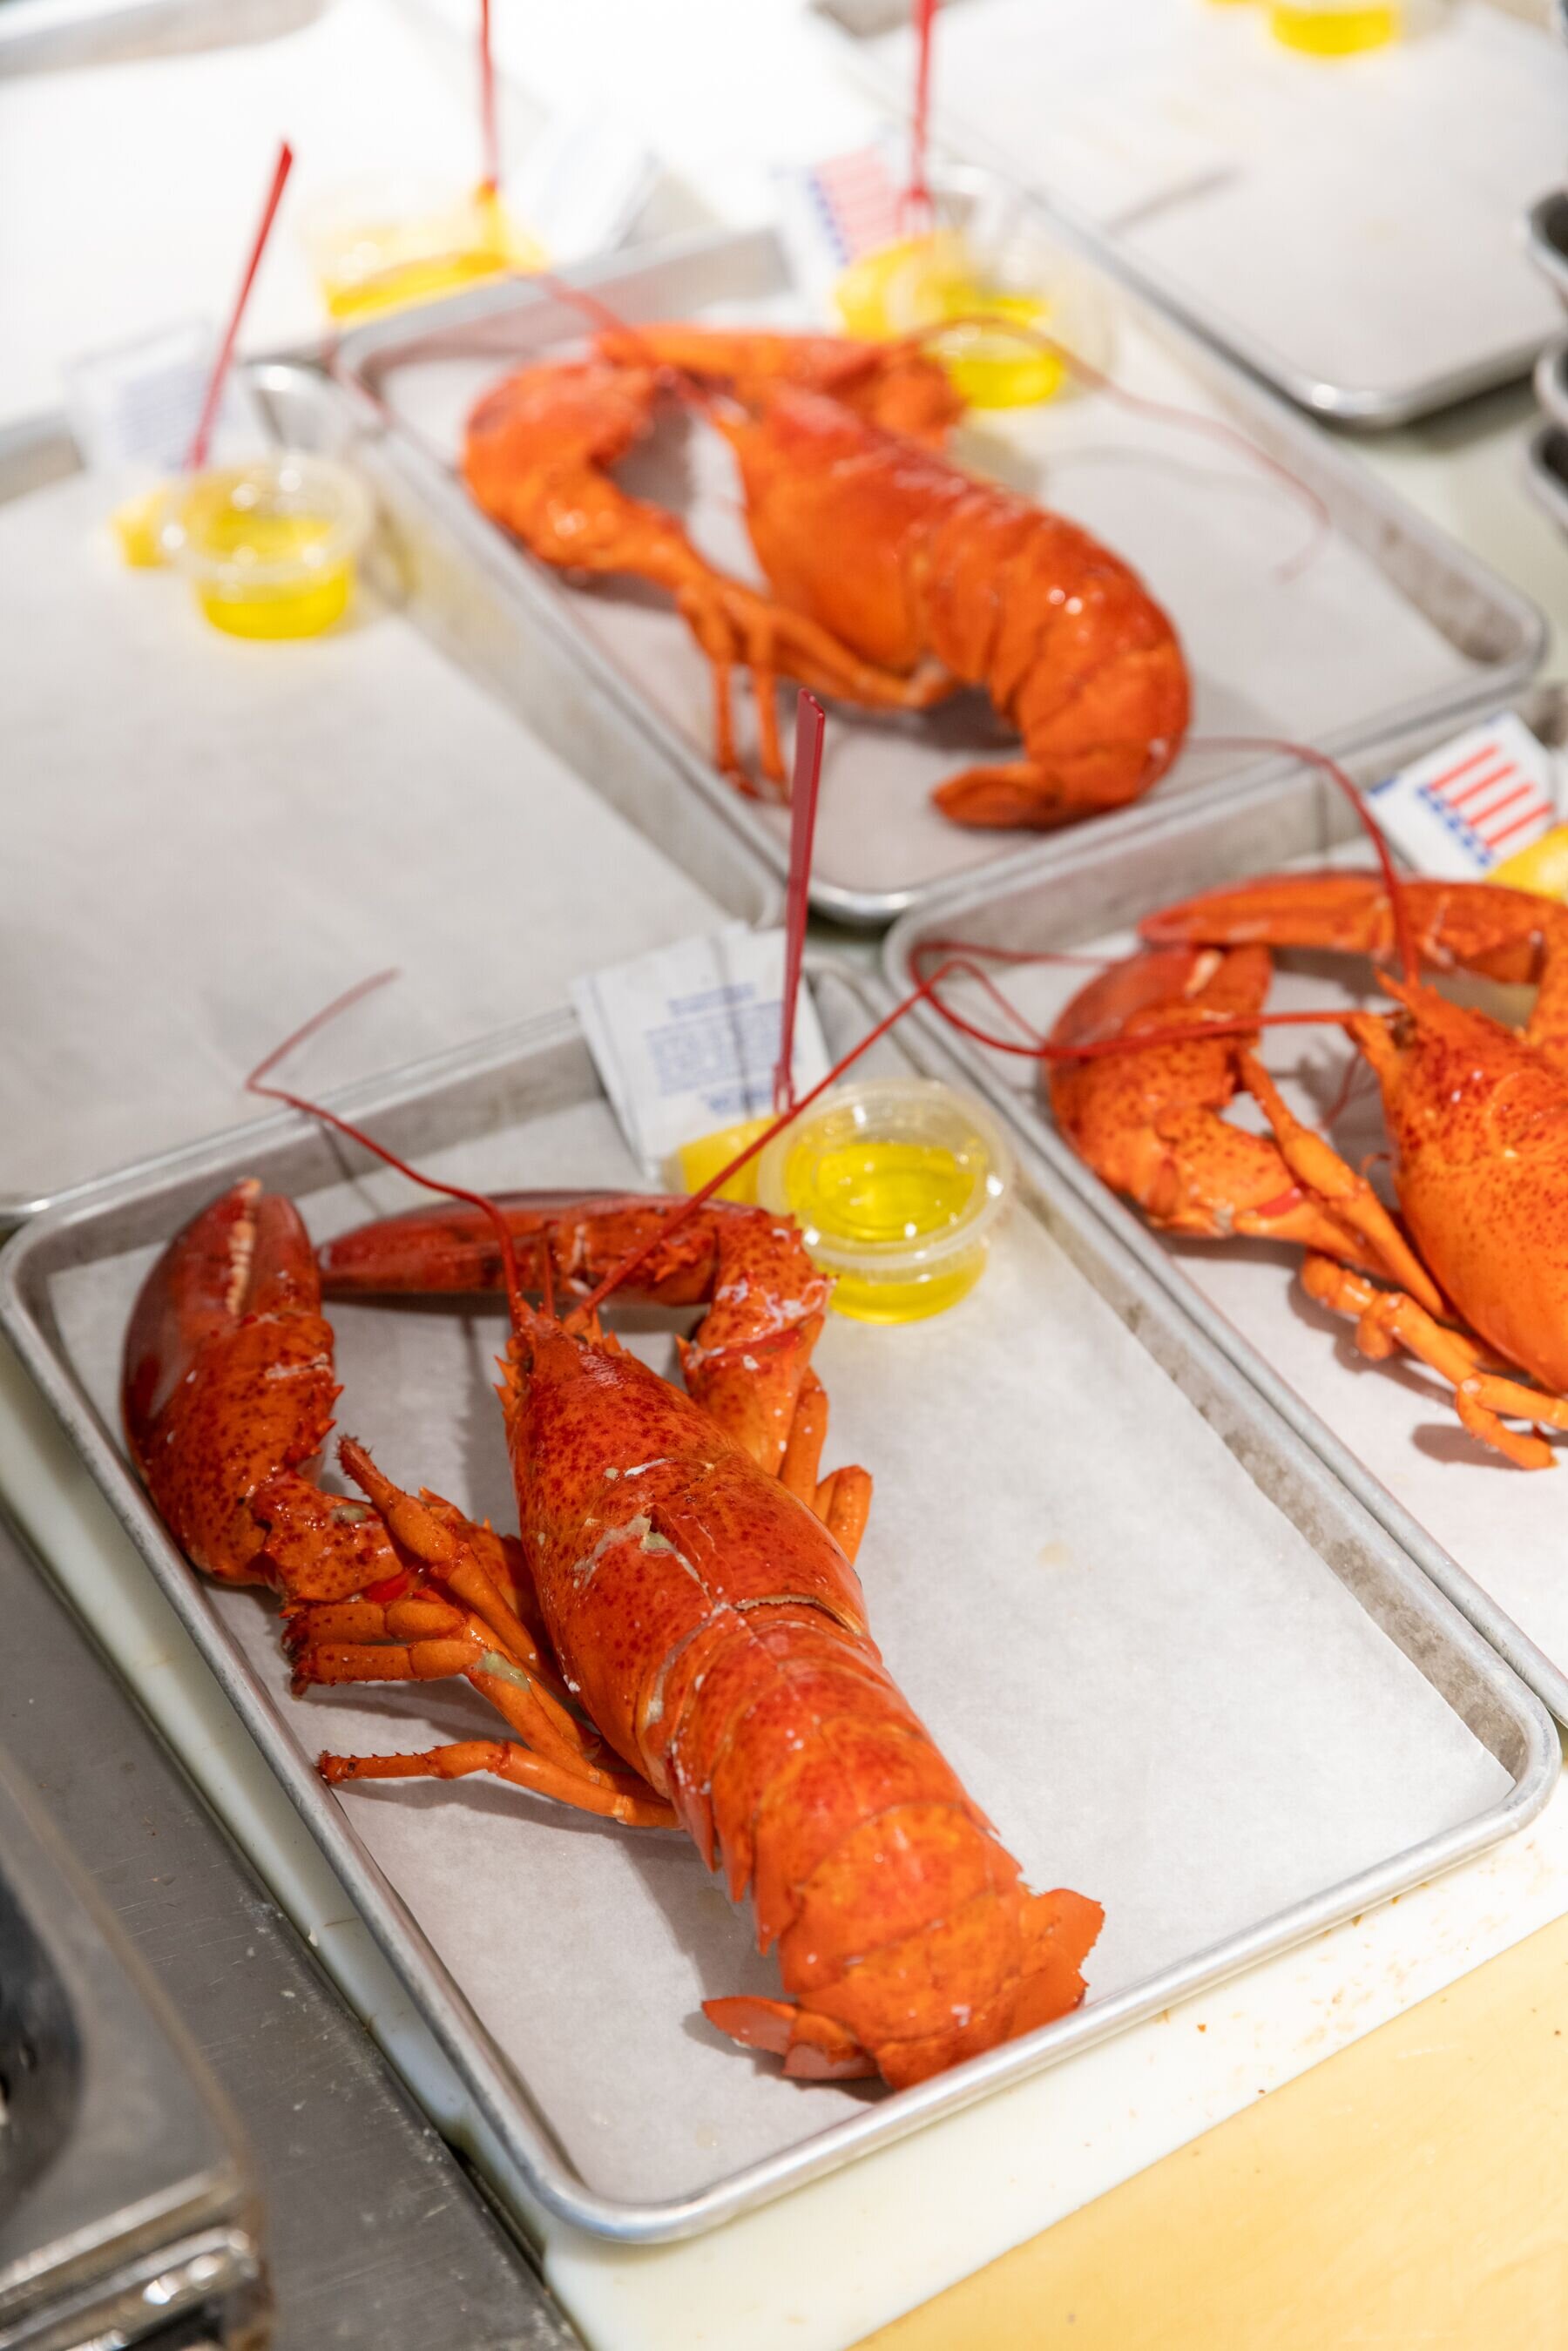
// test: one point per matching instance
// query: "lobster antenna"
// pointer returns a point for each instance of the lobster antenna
(255, 1084)
(1403, 936)
(1163, 412)
(578, 297)
(959, 952)
(925, 992)
(1132, 1040)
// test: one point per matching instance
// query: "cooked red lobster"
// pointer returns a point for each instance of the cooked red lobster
(896, 576)
(678, 1636)
(1478, 1113)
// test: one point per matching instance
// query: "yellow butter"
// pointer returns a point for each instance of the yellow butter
(696, 1163)
(1327, 28)
(1543, 867)
(135, 526)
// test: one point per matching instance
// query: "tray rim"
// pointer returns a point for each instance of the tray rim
(542, 2176)
(1543, 244)
(1547, 478)
(1355, 408)
(548, 607)
(1549, 380)
(1528, 1660)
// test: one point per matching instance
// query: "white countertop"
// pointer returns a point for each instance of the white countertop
(91, 253)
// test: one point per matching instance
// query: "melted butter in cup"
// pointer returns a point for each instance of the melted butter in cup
(897, 1185)
(991, 339)
(386, 239)
(270, 548)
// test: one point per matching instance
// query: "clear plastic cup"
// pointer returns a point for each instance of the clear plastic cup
(1001, 303)
(392, 237)
(272, 546)
(898, 1185)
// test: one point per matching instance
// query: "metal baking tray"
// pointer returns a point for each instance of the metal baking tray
(1389, 623)
(127, 2208)
(1551, 382)
(322, 809)
(1546, 240)
(1489, 1536)
(1546, 471)
(1178, 1665)
(1307, 220)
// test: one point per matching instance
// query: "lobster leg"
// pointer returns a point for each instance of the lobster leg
(1318, 1168)
(842, 1500)
(536, 457)
(1387, 1318)
(485, 1642)
(611, 1796)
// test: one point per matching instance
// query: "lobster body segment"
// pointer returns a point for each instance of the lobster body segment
(896, 576)
(1476, 1112)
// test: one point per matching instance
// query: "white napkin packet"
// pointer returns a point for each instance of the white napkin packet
(1476, 799)
(687, 1039)
(134, 409)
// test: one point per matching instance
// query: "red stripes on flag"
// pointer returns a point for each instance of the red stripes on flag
(856, 196)
(1486, 798)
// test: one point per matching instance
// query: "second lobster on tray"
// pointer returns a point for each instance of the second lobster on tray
(1191, 572)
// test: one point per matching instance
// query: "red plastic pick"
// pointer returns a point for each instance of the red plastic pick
(917, 195)
(197, 457)
(490, 143)
(810, 726)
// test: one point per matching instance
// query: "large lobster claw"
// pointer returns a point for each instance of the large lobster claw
(228, 1394)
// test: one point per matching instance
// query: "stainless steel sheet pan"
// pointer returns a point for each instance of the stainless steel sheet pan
(1489, 1535)
(1176, 1662)
(1300, 213)
(207, 840)
(1388, 621)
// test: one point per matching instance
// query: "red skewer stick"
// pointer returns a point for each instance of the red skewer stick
(809, 725)
(490, 143)
(917, 195)
(197, 457)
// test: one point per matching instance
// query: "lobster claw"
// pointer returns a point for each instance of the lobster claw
(228, 1390)
(247, 1253)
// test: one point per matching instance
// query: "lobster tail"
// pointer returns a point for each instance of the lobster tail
(899, 1918)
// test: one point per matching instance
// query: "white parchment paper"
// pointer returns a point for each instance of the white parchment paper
(1145, 1673)
(1504, 1526)
(1207, 528)
(205, 839)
